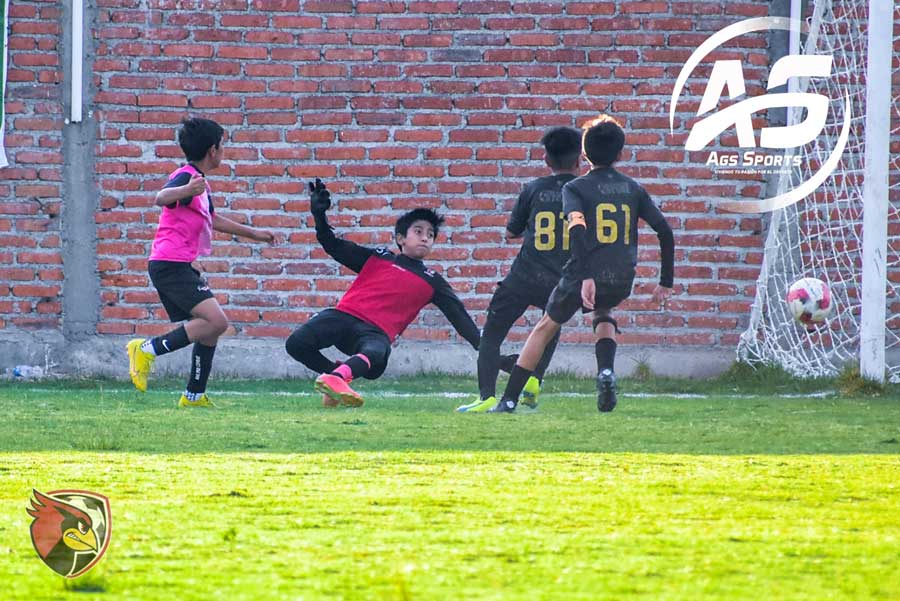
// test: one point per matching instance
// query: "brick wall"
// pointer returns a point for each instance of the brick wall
(30, 190)
(396, 105)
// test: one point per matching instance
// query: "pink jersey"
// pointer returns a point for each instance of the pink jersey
(185, 231)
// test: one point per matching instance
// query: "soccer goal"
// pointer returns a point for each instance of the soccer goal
(847, 232)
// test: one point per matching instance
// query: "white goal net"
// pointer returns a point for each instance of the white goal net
(821, 236)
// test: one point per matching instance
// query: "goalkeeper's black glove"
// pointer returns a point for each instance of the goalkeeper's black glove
(319, 197)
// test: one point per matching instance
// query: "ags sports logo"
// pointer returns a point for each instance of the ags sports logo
(728, 74)
(71, 529)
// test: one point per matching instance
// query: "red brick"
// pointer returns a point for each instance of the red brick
(230, 283)
(340, 23)
(36, 323)
(712, 289)
(124, 313)
(35, 291)
(738, 273)
(328, 6)
(39, 258)
(17, 273)
(115, 328)
(433, 7)
(281, 332)
(590, 8)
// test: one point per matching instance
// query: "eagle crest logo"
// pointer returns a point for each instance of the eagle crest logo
(71, 529)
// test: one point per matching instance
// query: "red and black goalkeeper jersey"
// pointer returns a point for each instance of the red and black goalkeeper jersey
(390, 289)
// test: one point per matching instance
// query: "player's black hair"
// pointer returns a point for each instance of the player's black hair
(562, 146)
(197, 135)
(407, 219)
(603, 140)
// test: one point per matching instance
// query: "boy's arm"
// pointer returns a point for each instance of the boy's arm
(349, 254)
(450, 305)
(223, 224)
(650, 213)
(518, 218)
(578, 241)
(180, 189)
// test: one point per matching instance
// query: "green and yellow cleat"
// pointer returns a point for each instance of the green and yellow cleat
(478, 406)
(203, 401)
(530, 393)
(139, 364)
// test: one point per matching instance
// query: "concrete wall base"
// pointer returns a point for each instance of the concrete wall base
(266, 358)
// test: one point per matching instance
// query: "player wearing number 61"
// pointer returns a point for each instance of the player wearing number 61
(602, 209)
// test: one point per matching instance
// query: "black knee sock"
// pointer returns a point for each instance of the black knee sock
(516, 383)
(605, 350)
(172, 341)
(201, 365)
(359, 367)
(488, 369)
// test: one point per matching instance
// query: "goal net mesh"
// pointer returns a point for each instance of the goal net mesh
(821, 236)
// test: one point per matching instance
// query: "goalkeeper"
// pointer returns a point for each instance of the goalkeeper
(383, 300)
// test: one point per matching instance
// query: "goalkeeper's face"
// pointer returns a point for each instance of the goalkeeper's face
(418, 241)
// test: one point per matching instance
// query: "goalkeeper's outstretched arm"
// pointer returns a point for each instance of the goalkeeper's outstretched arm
(349, 254)
(450, 305)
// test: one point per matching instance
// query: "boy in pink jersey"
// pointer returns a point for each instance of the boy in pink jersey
(185, 233)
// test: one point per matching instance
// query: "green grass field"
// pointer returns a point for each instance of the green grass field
(748, 488)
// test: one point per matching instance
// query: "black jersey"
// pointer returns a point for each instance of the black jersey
(611, 204)
(538, 214)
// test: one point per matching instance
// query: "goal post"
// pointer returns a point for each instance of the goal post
(875, 189)
(847, 231)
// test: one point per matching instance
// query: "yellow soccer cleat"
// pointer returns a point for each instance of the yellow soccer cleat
(203, 401)
(478, 406)
(139, 364)
(530, 393)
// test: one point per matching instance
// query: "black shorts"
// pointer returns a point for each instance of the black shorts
(612, 288)
(179, 286)
(532, 292)
(351, 335)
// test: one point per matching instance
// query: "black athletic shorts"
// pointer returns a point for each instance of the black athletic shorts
(613, 286)
(180, 287)
(351, 335)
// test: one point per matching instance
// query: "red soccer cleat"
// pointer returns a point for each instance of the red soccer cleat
(336, 388)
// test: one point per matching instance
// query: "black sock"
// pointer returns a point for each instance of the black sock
(171, 341)
(516, 383)
(605, 349)
(358, 366)
(201, 365)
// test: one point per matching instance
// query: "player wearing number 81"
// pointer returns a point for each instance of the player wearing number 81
(602, 209)
(538, 218)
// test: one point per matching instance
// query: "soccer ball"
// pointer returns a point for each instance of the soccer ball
(809, 300)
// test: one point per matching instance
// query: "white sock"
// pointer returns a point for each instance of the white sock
(147, 347)
(193, 396)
